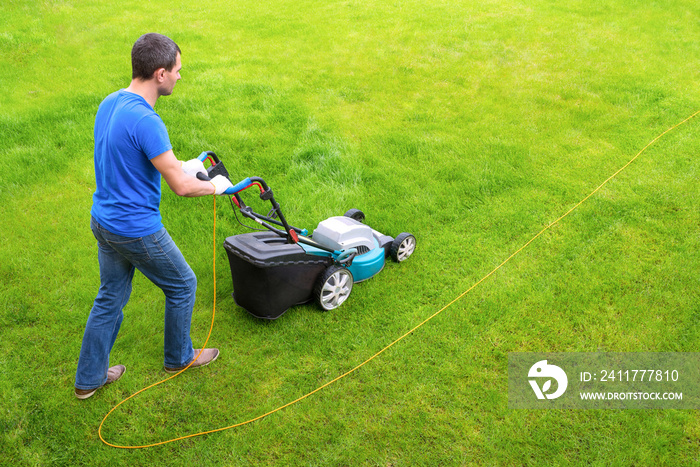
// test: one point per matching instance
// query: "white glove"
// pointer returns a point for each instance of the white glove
(192, 167)
(221, 184)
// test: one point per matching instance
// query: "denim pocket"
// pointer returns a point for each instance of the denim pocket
(133, 249)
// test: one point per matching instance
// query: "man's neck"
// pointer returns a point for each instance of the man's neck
(145, 89)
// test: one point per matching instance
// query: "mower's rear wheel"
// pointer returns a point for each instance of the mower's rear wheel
(355, 214)
(333, 287)
(402, 247)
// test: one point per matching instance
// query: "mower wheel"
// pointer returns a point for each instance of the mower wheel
(333, 287)
(402, 247)
(355, 214)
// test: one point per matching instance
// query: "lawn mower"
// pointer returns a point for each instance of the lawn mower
(282, 266)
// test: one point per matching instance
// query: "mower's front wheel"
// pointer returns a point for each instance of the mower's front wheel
(402, 247)
(333, 287)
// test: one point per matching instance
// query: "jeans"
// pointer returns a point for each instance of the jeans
(160, 260)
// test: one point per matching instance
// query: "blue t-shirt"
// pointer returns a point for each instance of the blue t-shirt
(128, 134)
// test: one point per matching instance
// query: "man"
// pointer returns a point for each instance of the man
(132, 152)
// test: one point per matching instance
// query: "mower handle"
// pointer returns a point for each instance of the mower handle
(217, 168)
(206, 154)
(240, 186)
(265, 192)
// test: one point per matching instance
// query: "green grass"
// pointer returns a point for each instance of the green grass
(470, 124)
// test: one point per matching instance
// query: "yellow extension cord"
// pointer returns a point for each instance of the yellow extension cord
(382, 350)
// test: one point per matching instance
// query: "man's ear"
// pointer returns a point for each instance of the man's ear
(159, 75)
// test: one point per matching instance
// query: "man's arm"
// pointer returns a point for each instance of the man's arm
(178, 181)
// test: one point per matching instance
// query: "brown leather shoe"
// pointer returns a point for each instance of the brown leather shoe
(208, 356)
(113, 374)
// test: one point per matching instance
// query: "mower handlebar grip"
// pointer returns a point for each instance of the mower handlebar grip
(206, 154)
(240, 186)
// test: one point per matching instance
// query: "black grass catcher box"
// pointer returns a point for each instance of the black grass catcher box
(271, 275)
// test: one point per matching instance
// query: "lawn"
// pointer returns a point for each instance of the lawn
(472, 125)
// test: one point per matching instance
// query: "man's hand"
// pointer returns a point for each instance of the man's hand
(221, 184)
(193, 166)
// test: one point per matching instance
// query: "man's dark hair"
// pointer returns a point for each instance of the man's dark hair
(150, 52)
